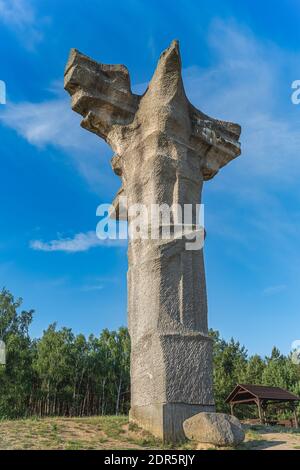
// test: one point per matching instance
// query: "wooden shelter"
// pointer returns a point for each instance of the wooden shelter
(262, 396)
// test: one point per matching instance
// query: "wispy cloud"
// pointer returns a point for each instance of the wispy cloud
(248, 83)
(92, 287)
(46, 123)
(20, 16)
(151, 46)
(100, 283)
(78, 243)
(53, 123)
(272, 290)
(245, 85)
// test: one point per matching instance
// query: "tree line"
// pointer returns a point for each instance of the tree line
(63, 374)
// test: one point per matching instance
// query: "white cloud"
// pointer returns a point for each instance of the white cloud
(53, 123)
(20, 16)
(16, 12)
(79, 243)
(49, 122)
(45, 123)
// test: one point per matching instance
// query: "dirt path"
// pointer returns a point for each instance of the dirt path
(272, 439)
(279, 441)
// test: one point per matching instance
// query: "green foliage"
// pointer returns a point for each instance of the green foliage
(70, 375)
(17, 376)
(232, 366)
(60, 374)
(230, 363)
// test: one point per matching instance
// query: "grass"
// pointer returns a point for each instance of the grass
(110, 433)
(253, 439)
(275, 429)
(105, 432)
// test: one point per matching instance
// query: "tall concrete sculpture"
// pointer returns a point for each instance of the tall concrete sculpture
(164, 149)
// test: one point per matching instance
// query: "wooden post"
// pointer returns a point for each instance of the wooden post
(264, 406)
(260, 412)
(264, 415)
(296, 417)
(232, 408)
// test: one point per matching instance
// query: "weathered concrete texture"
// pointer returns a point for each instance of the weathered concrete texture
(166, 420)
(164, 149)
(218, 429)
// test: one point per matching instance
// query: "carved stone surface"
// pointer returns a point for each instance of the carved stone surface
(164, 149)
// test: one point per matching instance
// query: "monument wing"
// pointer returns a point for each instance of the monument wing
(100, 93)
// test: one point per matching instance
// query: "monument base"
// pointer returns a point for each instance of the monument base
(165, 420)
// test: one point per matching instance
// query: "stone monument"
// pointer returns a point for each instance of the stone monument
(164, 149)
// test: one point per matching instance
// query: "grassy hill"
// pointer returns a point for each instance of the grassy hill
(114, 432)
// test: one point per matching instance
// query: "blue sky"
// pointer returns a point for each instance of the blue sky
(239, 60)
